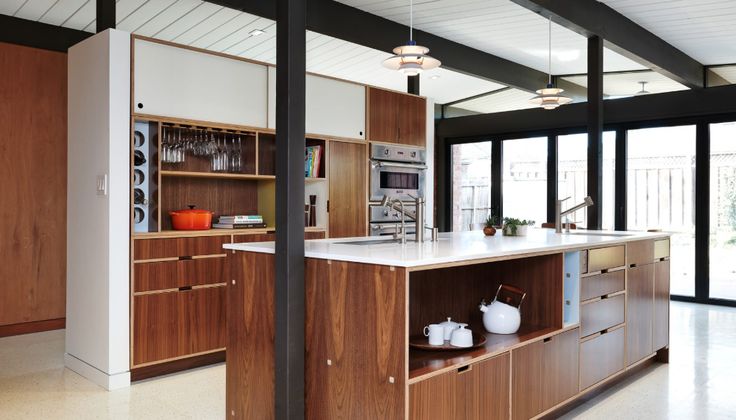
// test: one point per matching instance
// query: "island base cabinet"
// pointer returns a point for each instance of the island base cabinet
(661, 336)
(479, 391)
(544, 374)
(177, 324)
(601, 357)
(639, 313)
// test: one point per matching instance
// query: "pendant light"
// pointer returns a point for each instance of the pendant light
(411, 59)
(550, 97)
(643, 90)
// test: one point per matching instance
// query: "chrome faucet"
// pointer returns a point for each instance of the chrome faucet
(559, 214)
(418, 216)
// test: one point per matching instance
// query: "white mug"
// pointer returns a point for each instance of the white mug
(436, 334)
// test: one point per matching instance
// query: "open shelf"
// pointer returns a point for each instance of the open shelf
(213, 232)
(218, 175)
(424, 364)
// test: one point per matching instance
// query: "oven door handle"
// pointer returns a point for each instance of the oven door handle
(380, 164)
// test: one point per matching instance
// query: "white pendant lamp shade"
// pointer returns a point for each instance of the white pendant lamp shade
(550, 97)
(411, 59)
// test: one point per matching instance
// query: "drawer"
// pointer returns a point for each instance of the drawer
(314, 235)
(147, 249)
(661, 249)
(175, 274)
(473, 392)
(606, 258)
(601, 357)
(602, 284)
(640, 252)
(544, 373)
(602, 314)
(175, 324)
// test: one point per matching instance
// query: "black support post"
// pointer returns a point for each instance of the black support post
(289, 286)
(620, 182)
(702, 211)
(105, 15)
(412, 84)
(497, 178)
(551, 177)
(595, 130)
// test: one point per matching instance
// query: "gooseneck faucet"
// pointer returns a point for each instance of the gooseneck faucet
(559, 214)
(418, 216)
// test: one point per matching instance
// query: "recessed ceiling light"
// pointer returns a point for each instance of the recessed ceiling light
(434, 76)
(256, 32)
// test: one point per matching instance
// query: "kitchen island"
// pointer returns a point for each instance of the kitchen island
(597, 305)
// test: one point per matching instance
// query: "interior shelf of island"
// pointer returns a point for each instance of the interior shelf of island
(456, 292)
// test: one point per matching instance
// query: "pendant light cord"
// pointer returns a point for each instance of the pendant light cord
(549, 53)
(411, 20)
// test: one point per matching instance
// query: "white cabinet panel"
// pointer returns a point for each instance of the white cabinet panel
(333, 107)
(178, 82)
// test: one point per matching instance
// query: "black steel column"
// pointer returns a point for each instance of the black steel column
(289, 287)
(412, 84)
(620, 183)
(595, 130)
(702, 211)
(551, 177)
(497, 178)
(105, 15)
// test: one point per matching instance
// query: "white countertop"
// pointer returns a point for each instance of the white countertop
(453, 247)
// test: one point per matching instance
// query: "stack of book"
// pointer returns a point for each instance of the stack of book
(240, 222)
(312, 161)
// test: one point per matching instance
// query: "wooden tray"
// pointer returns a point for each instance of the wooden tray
(420, 342)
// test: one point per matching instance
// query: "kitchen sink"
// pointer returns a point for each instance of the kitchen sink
(370, 242)
(615, 234)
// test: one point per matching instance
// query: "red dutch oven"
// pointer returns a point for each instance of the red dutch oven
(191, 219)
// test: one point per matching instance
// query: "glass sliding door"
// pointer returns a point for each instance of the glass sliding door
(471, 184)
(661, 193)
(524, 177)
(723, 211)
(572, 175)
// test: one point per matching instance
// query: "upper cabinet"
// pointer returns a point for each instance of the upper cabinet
(179, 82)
(396, 118)
(333, 107)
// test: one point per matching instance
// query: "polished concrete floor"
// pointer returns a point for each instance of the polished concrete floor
(699, 382)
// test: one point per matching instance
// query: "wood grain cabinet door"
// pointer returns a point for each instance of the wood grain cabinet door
(639, 312)
(383, 114)
(356, 341)
(412, 121)
(348, 206)
(661, 337)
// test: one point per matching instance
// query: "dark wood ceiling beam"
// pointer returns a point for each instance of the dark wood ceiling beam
(354, 25)
(591, 18)
(39, 35)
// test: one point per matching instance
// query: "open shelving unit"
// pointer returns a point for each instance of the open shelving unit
(457, 291)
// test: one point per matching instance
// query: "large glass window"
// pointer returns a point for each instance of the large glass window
(572, 175)
(525, 179)
(723, 210)
(471, 184)
(660, 189)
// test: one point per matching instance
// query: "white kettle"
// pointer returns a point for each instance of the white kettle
(501, 317)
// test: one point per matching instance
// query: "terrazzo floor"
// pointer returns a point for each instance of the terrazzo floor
(698, 383)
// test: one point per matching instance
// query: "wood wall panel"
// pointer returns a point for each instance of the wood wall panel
(356, 319)
(250, 346)
(33, 130)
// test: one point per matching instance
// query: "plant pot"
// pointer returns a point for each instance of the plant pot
(489, 230)
(521, 230)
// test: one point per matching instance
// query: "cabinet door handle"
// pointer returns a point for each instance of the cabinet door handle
(547, 340)
(464, 369)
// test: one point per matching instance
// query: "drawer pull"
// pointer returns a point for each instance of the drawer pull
(185, 258)
(185, 288)
(548, 339)
(464, 369)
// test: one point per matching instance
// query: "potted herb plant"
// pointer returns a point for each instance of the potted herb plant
(490, 225)
(516, 227)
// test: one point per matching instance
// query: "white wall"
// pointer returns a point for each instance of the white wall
(98, 226)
